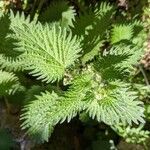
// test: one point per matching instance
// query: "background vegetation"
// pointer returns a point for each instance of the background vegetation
(114, 37)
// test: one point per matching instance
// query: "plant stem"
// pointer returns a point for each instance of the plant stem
(144, 75)
(40, 6)
(7, 104)
(33, 9)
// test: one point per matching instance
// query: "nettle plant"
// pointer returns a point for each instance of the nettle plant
(75, 63)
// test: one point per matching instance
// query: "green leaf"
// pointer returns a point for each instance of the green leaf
(59, 11)
(115, 103)
(9, 83)
(43, 114)
(121, 32)
(92, 27)
(48, 51)
(131, 134)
